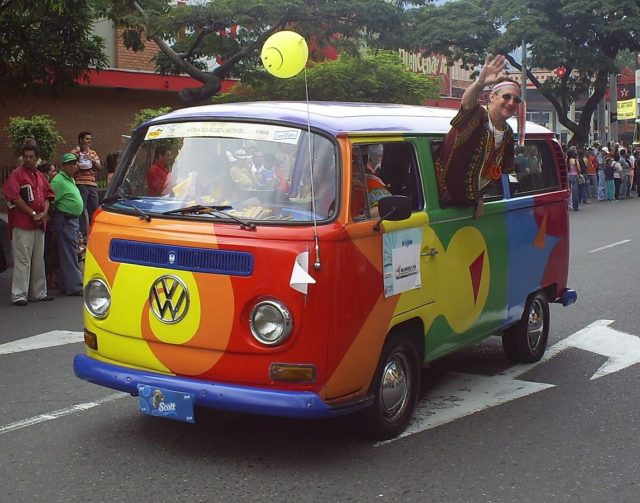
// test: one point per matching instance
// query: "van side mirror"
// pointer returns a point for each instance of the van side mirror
(393, 208)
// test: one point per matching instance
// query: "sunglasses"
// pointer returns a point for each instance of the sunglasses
(508, 97)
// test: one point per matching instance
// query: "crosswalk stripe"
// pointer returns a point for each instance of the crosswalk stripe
(24, 423)
(46, 340)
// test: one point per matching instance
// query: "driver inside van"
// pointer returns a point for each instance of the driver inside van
(158, 174)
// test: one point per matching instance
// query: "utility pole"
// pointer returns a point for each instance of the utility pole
(613, 109)
(523, 91)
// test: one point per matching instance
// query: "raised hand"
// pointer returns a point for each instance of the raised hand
(493, 65)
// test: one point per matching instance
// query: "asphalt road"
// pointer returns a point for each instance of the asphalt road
(577, 440)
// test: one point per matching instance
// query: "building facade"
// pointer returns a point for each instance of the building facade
(105, 105)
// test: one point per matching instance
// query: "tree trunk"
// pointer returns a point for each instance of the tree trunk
(580, 131)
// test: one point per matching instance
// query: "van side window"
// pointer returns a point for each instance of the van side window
(381, 169)
(493, 190)
(399, 171)
(535, 169)
(359, 199)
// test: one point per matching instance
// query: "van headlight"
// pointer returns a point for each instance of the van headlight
(97, 298)
(271, 322)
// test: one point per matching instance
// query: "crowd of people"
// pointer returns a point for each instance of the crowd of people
(49, 213)
(602, 173)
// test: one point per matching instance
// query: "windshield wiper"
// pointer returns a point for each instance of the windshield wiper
(211, 210)
(119, 197)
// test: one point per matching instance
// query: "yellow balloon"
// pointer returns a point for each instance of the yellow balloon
(284, 54)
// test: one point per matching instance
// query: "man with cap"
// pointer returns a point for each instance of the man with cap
(479, 148)
(68, 206)
(28, 193)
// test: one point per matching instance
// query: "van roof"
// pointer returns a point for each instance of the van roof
(337, 118)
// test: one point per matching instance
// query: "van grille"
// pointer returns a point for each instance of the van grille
(181, 257)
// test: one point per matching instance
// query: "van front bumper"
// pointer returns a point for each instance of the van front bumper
(298, 404)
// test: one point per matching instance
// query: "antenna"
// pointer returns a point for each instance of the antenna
(316, 264)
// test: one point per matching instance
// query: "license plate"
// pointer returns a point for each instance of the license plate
(166, 403)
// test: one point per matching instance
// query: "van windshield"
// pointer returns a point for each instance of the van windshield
(255, 172)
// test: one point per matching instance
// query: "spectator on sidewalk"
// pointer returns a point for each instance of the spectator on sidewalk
(632, 171)
(50, 248)
(112, 164)
(617, 176)
(68, 206)
(583, 183)
(28, 193)
(601, 154)
(592, 176)
(574, 171)
(30, 142)
(88, 164)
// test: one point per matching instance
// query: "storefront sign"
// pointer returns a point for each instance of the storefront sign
(626, 109)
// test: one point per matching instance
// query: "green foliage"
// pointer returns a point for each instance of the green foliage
(193, 36)
(41, 128)
(583, 36)
(146, 114)
(378, 77)
(46, 43)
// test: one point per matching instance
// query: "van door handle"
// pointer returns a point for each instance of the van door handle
(431, 252)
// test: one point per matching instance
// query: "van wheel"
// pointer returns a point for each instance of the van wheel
(526, 341)
(395, 386)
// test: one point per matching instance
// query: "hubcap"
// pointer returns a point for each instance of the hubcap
(535, 327)
(394, 393)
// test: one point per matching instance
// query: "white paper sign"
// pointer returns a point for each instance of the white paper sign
(401, 255)
(300, 278)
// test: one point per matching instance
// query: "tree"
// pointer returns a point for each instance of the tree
(375, 77)
(146, 114)
(582, 36)
(232, 32)
(41, 128)
(46, 42)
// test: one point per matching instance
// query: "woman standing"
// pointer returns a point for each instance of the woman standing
(574, 171)
(617, 176)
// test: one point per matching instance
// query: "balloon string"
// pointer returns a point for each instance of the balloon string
(316, 264)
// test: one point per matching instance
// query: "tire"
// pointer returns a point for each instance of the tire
(526, 341)
(395, 385)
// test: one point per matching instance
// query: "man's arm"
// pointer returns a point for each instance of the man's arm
(95, 161)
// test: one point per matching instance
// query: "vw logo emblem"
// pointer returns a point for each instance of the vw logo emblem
(172, 257)
(169, 299)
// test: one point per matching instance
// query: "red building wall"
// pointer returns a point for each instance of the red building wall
(107, 113)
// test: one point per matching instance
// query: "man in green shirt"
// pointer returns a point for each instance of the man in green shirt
(67, 207)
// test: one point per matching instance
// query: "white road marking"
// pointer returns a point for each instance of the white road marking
(46, 340)
(621, 348)
(460, 395)
(59, 413)
(595, 250)
(457, 396)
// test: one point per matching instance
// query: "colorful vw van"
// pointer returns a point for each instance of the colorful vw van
(239, 261)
